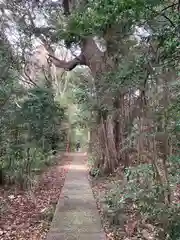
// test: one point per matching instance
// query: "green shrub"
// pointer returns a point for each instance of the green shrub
(146, 197)
(29, 132)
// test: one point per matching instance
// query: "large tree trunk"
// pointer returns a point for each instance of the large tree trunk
(99, 63)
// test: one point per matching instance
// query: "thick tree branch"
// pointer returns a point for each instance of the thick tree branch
(46, 31)
(68, 65)
(171, 22)
(170, 6)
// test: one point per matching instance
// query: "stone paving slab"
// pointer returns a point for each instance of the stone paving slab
(76, 216)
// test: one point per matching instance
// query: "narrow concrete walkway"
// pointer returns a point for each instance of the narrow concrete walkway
(76, 216)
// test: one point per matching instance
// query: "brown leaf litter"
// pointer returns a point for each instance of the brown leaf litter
(28, 214)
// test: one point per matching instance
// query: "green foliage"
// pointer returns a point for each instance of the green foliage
(146, 197)
(95, 17)
(100, 14)
(41, 115)
(29, 127)
(94, 170)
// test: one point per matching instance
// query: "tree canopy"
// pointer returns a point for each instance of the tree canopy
(121, 71)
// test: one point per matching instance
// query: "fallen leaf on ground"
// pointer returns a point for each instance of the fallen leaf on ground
(24, 215)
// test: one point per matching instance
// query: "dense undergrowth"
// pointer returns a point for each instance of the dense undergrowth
(134, 204)
(29, 126)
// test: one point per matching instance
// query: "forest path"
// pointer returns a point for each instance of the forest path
(76, 216)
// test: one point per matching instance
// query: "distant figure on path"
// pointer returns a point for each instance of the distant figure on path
(78, 146)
